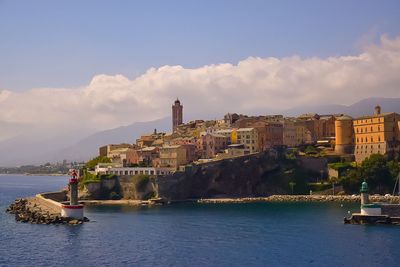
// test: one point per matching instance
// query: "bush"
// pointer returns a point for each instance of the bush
(90, 178)
(91, 164)
(141, 181)
(149, 195)
(311, 150)
(108, 176)
(114, 196)
(316, 187)
(339, 165)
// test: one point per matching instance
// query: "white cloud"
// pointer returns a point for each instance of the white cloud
(253, 84)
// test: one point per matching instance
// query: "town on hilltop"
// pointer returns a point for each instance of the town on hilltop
(196, 142)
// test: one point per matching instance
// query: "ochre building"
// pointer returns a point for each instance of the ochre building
(376, 134)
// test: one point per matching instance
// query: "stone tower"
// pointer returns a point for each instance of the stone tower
(377, 110)
(344, 135)
(177, 114)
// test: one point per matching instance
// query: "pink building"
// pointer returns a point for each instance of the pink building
(145, 156)
(208, 145)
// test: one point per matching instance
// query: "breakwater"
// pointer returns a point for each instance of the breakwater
(35, 210)
(302, 198)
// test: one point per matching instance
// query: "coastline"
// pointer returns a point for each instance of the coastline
(273, 198)
(301, 198)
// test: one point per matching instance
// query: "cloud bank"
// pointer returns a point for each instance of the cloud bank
(252, 84)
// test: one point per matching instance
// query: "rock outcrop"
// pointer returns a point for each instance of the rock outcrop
(238, 177)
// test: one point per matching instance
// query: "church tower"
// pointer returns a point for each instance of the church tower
(177, 114)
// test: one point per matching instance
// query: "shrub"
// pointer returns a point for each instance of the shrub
(114, 196)
(91, 164)
(149, 195)
(108, 176)
(90, 178)
(339, 165)
(141, 181)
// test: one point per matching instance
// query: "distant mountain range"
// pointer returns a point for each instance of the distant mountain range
(23, 150)
(83, 145)
(363, 107)
(89, 147)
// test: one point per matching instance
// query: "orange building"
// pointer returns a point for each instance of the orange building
(344, 135)
(377, 134)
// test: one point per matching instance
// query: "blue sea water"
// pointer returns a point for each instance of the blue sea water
(258, 234)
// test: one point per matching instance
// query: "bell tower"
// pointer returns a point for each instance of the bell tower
(177, 114)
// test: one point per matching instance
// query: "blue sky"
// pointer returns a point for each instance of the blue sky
(66, 43)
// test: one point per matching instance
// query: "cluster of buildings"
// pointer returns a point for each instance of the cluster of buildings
(238, 135)
(373, 134)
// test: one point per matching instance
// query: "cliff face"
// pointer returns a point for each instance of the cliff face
(239, 177)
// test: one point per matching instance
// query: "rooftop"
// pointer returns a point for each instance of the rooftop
(376, 115)
(245, 129)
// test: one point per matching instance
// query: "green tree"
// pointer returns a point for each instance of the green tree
(91, 164)
(311, 150)
(376, 171)
(394, 168)
(351, 180)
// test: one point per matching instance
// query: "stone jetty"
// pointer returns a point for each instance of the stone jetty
(302, 198)
(33, 210)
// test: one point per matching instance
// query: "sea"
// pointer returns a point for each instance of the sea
(188, 234)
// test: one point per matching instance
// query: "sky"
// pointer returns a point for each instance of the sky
(110, 63)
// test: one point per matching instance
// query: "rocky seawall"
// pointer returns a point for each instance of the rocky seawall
(32, 210)
(302, 198)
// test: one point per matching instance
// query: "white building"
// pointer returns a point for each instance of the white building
(135, 171)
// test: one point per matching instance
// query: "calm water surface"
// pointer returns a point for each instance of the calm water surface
(262, 234)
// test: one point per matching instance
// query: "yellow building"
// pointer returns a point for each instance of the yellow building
(249, 138)
(344, 135)
(376, 134)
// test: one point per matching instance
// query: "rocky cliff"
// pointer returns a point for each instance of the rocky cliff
(239, 177)
(248, 176)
